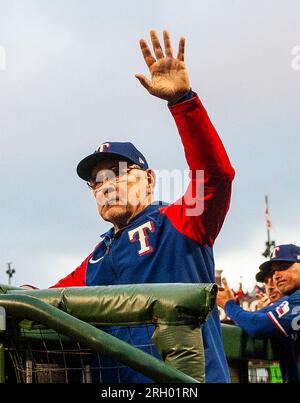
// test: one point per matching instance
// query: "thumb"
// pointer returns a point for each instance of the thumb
(144, 81)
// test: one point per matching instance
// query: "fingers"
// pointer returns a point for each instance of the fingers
(267, 302)
(180, 55)
(224, 281)
(144, 81)
(149, 59)
(156, 45)
(167, 42)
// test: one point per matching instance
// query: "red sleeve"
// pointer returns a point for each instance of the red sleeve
(76, 278)
(200, 213)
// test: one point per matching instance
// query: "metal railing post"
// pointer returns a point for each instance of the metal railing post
(2, 351)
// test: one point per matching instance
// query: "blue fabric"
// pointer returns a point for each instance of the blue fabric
(256, 324)
(188, 95)
(189, 262)
(280, 320)
(122, 150)
(281, 253)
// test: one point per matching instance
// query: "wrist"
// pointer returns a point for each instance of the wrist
(230, 302)
(181, 97)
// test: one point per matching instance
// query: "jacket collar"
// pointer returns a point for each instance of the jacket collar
(151, 207)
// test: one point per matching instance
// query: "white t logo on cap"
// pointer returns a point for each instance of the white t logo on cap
(103, 147)
(273, 256)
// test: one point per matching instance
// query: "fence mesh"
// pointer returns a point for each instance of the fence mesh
(43, 356)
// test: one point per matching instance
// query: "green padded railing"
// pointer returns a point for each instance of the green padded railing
(176, 309)
(241, 349)
(239, 346)
(171, 304)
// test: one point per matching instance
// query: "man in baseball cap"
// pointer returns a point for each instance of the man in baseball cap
(120, 179)
(158, 242)
(284, 265)
(279, 320)
(125, 151)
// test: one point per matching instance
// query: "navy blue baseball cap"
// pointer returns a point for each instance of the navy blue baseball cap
(280, 253)
(261, 276)
(125, 151)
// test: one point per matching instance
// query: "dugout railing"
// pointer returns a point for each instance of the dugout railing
(251, 360)
(56, 335)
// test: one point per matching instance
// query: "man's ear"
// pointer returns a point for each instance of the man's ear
(151, 178)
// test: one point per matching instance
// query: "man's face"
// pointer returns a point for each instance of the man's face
(286, 276)
(271, 290)
(121, 191)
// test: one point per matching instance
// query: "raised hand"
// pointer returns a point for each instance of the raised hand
(264, 300)
(169, 76)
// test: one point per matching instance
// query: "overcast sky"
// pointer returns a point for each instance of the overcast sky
(67, 84)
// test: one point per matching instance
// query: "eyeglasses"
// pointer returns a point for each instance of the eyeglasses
(112, 174)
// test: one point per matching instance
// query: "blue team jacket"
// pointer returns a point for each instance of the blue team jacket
(280, 320)
(168, 243)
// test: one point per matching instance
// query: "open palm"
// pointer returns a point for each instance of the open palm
(169, 76)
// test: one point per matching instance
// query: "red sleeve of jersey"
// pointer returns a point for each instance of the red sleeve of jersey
(200, 213)
(76, 278)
